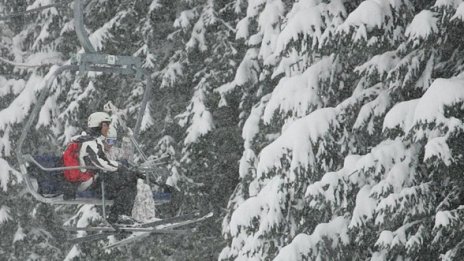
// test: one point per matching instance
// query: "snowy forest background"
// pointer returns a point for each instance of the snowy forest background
(315, 129)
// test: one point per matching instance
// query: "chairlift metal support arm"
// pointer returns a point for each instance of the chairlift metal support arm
(35, 111)
(80, 28)
(121, 64)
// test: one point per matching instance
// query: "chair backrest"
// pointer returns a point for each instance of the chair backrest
(49, 182)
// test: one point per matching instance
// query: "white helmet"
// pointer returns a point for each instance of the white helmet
(96, 118)
(112, 133)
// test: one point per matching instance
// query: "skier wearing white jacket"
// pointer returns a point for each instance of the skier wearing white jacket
(144, 204)
(120, 182)
(117, 153)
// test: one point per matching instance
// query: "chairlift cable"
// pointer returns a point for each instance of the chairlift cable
(5, 17)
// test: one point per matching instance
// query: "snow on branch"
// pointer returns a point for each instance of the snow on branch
(364, 209)
(304, 18)
(250, 130)
(5, 177)
(372, 110)
(422, 26)
(269, 24)
(389, 239)
(4, 174)
(44, 34)
(74, 105)
(401, 116)
(255, 7)
(258, 214)
(368, 15)
(19, 234)
(437, 148)
(331, 235)
(251, 127)
(447, 3)
(447, 218)
(198, 38)
(147, 119)
(431, 106)
(49, 108)
(184, 21)
(38, 6)
(394, 207)
(18, 109)
(378, 162)
(299, 95)
(26, 65)
(299, 138)
(197, 117)
(5, 143)
(257, 207)
(155, 4)
(380, 64)
(171, 74)
(103, 33)
(247, 73)
(4, 214)
(459, 13)
(8, 86)
(328, 189)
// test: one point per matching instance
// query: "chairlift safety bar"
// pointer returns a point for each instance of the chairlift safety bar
(80, 28)
(29, 158)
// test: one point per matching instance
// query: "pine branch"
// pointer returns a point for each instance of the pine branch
(25, 65)
(226, 25)
(34, 10)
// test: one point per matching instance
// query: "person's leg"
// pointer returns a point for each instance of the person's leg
(121, 187)
(69, 190)
(85, 185)
(124, 200)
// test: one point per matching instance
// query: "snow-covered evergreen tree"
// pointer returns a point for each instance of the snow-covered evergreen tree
(349, 157)
(205, 60)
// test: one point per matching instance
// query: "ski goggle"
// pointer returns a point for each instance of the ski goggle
(111, 141)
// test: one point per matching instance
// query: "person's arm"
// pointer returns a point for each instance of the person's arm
(92, 153)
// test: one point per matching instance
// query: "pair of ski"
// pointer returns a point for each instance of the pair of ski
(138, 231)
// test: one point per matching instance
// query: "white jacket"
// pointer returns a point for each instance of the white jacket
(92, 153)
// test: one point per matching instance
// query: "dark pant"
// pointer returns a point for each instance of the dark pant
(121, 187)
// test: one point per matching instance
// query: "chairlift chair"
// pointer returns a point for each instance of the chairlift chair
(89, 61)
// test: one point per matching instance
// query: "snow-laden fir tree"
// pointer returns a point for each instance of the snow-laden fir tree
(208, 143)
(354, 154)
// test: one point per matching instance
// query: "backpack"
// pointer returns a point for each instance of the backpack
(71, 158)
